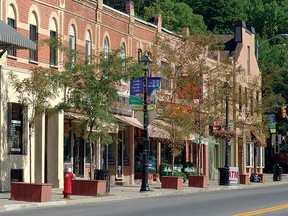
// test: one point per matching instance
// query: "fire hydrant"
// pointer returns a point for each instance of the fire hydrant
(68, 175)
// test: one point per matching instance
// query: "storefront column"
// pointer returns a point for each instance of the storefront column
(158, 161)
(130, 131)
(40, 151)
(205, 156)
(55, 149)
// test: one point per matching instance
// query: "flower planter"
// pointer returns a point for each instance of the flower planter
(31, 192)
(198, 181)
(172, 182)
(263, 178)
(244, 179)
(88, 187)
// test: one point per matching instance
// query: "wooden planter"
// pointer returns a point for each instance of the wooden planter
(172, 182)
(88, 187)
(244, 179)
(198, 181)
(31, 192)
(263, 178)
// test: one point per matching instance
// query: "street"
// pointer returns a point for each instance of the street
(216, 203)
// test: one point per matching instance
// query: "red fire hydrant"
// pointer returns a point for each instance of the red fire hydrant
(68, 175)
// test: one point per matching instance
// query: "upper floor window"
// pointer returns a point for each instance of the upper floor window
(72, 44)
(139, 55)
(248, 60)
(53, 50)
(33, 36)
(165, 84)
(88, 48)
(11, 21)
(123, 66)
(106, 48)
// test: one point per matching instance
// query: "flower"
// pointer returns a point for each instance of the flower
(224, 134)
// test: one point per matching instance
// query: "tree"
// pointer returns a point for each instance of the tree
(175, 16)
(188, 82)
(35, 94)
(93, 91)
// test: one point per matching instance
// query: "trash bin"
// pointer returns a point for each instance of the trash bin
(277, 173)
(224, 176)
(102, 174)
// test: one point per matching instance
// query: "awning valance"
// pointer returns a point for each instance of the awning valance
(259, 138)
(129, 121)
(11, 39)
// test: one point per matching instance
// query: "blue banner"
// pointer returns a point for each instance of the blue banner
(137, 89)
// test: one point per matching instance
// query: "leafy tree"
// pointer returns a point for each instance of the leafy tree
(175, 16)
(35, 93)
(187, 85)
(93, 91)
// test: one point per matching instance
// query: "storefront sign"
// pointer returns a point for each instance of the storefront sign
(234, 175)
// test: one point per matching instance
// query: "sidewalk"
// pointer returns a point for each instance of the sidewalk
(125, 192)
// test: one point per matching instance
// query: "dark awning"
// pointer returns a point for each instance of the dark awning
(11, 39)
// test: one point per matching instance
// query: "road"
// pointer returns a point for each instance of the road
(266, 201)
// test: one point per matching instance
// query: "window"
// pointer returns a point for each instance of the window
(33, 37)
(248, 60)
(165, 84)
(252, 103)
(139, 55)
(53, 50)
(72, 45)
(240, 99)
(16, 128)
(249, 155)
(123, 66)
(106, 53)
(88, 48)
(11, 22)
(246, 98)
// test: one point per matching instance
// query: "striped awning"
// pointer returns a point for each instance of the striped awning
(11, 39)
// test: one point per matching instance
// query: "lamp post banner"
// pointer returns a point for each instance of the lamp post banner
(136, 92)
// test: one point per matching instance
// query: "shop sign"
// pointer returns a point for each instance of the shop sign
(234, 175)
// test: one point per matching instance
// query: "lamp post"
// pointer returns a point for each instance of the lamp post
(145, 61)
(257, 44)
(224, 172)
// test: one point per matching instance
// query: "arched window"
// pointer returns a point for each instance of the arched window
(53, 50)
(33, 36)
(123, 66)
(72, 44)
(139, 55)
(106, 48)
(88, 47)
(11, 21)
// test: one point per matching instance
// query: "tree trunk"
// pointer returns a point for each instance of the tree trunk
(30, 151)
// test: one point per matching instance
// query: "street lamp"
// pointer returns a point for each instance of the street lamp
(257, 44)
(145, 61)
(224, 172)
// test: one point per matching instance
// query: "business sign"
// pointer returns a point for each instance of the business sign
(234, 175)
(137, 93)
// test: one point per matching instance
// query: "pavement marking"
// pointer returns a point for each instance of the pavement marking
(264, 210)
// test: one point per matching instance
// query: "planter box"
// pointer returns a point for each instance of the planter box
(139, 176)
(172, 182)
(198, 181)
(263, 177)
(88, 187)
(31, 192)
(244, 179)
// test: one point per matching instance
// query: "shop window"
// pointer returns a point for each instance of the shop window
(111, 158)
(87, 153)
(67, 146)
(16, 175)
(249, 154)
(16, 128)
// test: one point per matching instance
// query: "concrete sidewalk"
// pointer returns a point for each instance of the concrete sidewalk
(125, 192)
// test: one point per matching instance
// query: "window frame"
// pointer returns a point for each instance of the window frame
(12, 23)
(33, 36)
(53, 51)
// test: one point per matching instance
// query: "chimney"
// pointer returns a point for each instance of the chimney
(158, 22)
(239, 25)
(100, 4)
(129, 8)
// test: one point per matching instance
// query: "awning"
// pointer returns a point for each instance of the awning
(157, 129)
(129, 121)
(259, 138)
(11, 39)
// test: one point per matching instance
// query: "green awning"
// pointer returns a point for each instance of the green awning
(11, 39)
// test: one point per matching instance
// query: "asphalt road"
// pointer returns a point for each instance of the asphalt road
(257, 201)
